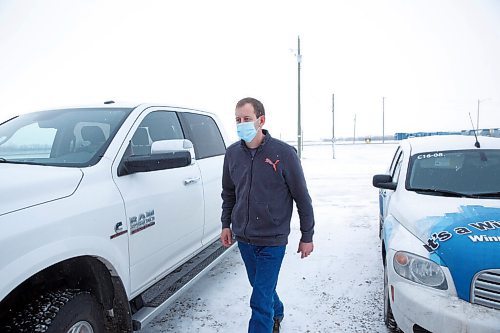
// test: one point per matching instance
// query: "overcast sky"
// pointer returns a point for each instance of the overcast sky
(432, 60)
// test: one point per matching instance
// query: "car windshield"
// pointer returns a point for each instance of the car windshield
(473, 173)
(69, 137)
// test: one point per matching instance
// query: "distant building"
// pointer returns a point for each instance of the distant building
(495, 132)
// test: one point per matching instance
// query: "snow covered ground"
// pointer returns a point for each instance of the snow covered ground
(338, 288)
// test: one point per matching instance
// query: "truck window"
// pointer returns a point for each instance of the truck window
(205, 135)
(22, 144)
(67, 137)
(156, 126)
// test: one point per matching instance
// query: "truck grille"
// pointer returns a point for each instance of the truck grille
(486, 289)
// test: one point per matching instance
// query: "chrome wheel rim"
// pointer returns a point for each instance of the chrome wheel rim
(81, 327)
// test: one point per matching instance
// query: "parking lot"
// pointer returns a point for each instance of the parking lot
(338, 288)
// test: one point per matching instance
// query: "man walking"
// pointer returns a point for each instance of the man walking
(262, 177)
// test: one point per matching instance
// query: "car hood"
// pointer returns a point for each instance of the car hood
(460, 233)
(25, 185)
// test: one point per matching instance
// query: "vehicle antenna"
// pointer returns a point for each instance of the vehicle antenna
(477, 145)
(109, 102)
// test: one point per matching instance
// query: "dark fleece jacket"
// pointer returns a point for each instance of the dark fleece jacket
(258, 193)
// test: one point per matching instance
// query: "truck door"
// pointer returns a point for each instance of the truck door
(209, 147)
(164, 208)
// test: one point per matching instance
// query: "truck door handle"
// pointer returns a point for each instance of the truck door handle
(191, 180)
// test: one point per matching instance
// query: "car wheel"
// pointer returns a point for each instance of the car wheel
(66, 311)
(389, 320)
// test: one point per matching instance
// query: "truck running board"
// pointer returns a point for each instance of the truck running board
(162, 294)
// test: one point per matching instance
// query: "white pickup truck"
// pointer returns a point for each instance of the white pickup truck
(107, 213)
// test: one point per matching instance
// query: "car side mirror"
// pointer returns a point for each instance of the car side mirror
(384, 181)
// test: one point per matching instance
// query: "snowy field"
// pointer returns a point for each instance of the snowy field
(338, 288)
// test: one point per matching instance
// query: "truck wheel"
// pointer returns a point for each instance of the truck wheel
(62, 311)
(389, 320)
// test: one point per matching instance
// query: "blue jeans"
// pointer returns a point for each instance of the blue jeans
(263, 265)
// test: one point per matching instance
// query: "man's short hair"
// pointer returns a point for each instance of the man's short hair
(257, 105)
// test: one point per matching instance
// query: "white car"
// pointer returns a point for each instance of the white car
(440, 232)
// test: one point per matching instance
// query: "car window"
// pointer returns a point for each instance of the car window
(396, 154)
(397, 168)
(156, 126)
(464, 171)
(205, 135)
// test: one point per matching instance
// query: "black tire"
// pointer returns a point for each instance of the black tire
(59, 312)
(389, 320)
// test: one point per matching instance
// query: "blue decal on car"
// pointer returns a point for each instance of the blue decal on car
(467, 242)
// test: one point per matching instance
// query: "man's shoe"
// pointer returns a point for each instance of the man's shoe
(277, 324)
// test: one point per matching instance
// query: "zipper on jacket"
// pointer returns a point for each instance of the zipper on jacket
(249, 190)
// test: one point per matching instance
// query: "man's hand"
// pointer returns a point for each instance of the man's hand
(305, 249)
(226, 237)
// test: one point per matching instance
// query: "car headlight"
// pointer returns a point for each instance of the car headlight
(419, 270)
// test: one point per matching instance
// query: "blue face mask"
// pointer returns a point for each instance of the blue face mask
(246, 131)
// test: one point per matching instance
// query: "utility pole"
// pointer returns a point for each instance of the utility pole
(299, 129)
(383, 119)
(333, 126)
(354, 136)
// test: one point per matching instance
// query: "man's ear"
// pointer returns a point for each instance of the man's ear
(262, 121)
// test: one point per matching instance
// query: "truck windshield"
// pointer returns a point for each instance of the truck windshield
(468, 173)
(69, 137)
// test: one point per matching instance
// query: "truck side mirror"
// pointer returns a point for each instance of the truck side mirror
(165, 146)
(384, 181)
(154, 162)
